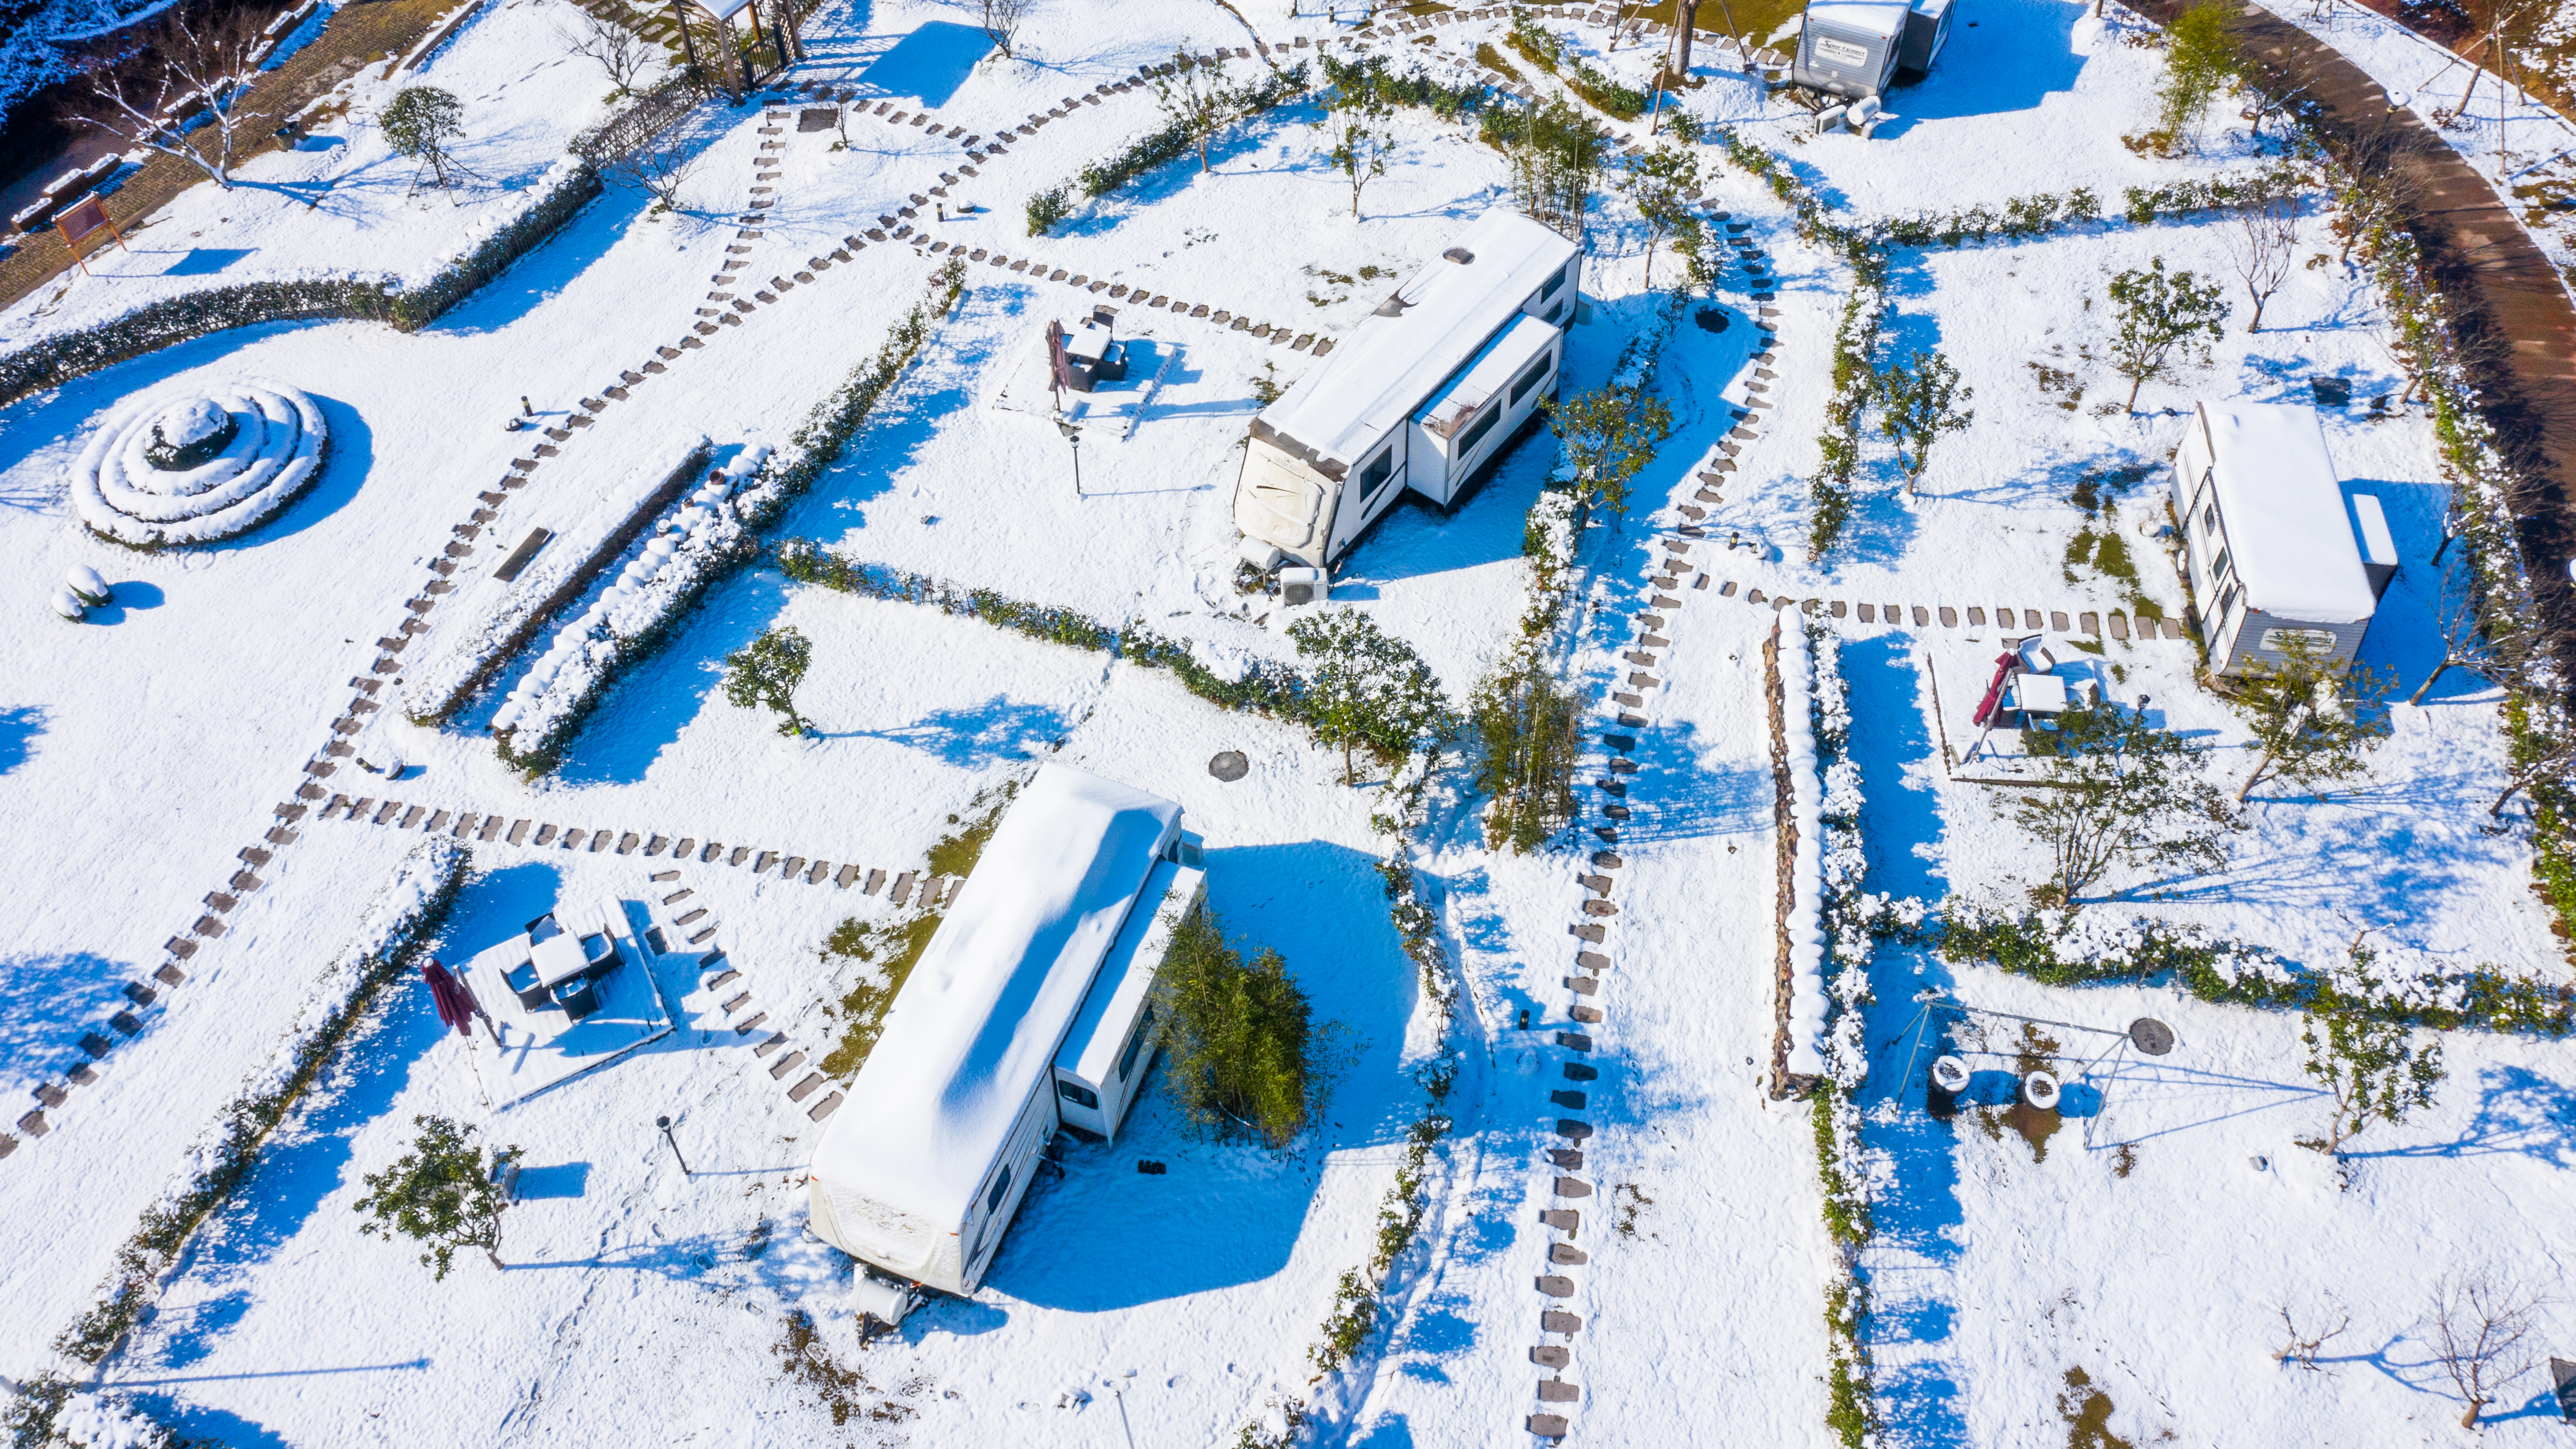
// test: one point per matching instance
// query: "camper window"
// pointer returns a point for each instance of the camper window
(1077, 1093)
(1476, 432)
(1127, 1059)
(1530, 379)
(2209, 520)
(1001, 1185)
(1374, 476)
(2218, 566)
(1555, 282)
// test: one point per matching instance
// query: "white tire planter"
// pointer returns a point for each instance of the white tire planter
(275, 453)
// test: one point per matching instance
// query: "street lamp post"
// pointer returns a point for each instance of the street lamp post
(665, 1124)
(1073, 435)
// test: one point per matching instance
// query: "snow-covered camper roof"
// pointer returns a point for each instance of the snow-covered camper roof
(1491, 372)
(1100, 1032)
(1431, 326)
(2284, 512)
(975, 1028)
(1884, 18)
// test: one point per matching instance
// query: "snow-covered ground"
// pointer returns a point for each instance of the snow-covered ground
(139, 753)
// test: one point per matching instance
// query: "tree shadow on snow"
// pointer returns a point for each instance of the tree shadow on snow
(975, 736)
(2520, 1112)
(19, 727)
(46, 1001)
(1225, 1213)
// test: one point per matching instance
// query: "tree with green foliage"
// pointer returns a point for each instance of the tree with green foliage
(766, 673)
(1366, 689)
(1531, 726)
(1659, 184)
(1046, 208)
(1556, 159)
(2201, 58)
(1242, 1054)
(2376, 1070)
(2120, 791)
(1701, 264)
(1919, 400)
(445, 1192)
(1361, 141)
(1609, 434)
(2310, 716)
(2156, 316)
(419, 125)
(1196, 99)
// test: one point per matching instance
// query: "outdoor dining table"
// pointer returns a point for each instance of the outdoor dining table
(557, 955)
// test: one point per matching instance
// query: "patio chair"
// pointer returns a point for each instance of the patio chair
(578, 997)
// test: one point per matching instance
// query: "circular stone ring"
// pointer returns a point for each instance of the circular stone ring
(273, 453)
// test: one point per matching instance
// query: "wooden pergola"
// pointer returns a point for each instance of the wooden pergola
(780, 37)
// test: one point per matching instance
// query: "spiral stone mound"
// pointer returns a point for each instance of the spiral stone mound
(242, 451)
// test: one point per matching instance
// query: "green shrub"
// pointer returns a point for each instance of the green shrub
(1243, 1055)
(1046, 209)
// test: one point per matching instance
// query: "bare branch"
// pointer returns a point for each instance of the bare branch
(2480, 1327)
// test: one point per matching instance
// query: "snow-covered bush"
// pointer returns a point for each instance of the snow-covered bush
(500, 616)
(700, 539)
(410, 908)
(565, 189)
(200, 465)
(1809, 1002)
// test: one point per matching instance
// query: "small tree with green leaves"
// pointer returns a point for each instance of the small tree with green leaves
(1366, 689)
(2120, 791)
(2376, 1070)
(1919, 400)
(1197, 100)
(2156, 316)
(2310, 716)
(1243, 1056)
(1531, 727)
(445, 1192)
(1609, 434)
(419, 125)
(1659, 184)
(1556, 159)
(2200, 59)
(765, 675)
(1047, 208)
(1361, 141)
(1701, 266)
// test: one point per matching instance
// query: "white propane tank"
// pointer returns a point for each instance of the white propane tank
(879, 1298)
(2040, 1090)
(1950, 1074)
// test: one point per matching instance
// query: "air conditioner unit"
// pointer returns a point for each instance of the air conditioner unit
(1304, 586)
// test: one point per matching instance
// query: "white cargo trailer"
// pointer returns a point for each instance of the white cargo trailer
(1423, 395)
(923, 1166)
(1850, 48)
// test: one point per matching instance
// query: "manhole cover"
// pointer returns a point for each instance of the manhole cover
(2151, 1036)
(1710, 319)
(1230, 766)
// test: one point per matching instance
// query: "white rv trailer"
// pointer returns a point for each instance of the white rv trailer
(2271, 550)
(1105, 1057)
(1856, 48)
(921, 1169)
(1423, 395)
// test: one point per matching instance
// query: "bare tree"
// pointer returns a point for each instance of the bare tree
(2262, 239)
(2303, 1345)
(659, 166)
(2372, 188)
(620, 52)
(1002, 22)
(2497, 645)
(197, 70)
(2481, 1327)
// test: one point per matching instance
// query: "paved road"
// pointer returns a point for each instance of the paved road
(2496, 279)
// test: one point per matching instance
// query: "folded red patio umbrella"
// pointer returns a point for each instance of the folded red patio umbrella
(456, 1004)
